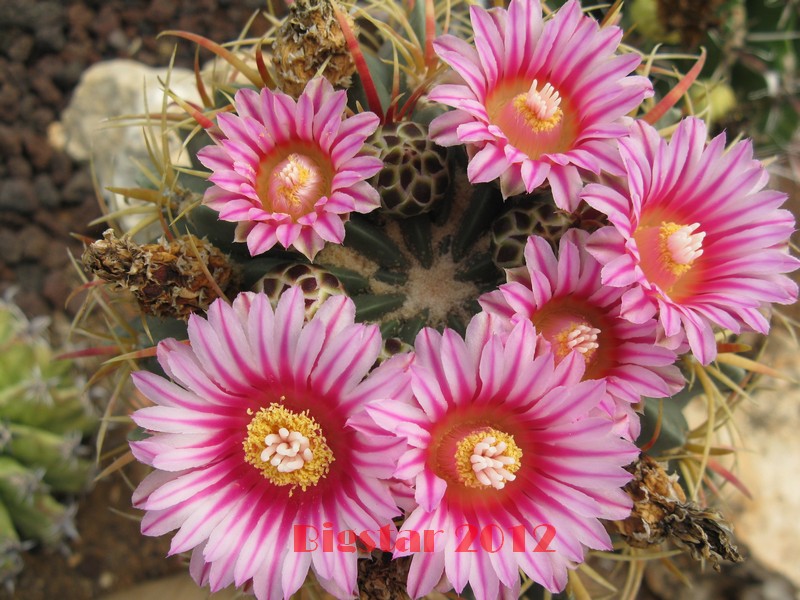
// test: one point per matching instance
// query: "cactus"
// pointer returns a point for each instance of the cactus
(42, 421)
(414, 177)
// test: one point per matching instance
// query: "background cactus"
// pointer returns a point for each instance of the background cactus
(42, 421)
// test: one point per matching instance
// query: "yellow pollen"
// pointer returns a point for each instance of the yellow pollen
(288, 448)
(580, 337)
(487, 458)
(293, 179)
(679, 246)
(540, 108)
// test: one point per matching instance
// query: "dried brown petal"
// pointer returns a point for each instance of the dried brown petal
(661, 513)
(168, 279)
(309, 38)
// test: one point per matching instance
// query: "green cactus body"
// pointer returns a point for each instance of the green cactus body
(43, 419)
(415, 177)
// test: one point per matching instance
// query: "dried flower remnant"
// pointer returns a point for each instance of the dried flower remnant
(309, 39)
(383, 578)
(168, 279)
(661, 513)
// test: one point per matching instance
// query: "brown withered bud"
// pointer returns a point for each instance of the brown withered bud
(166, 278)
(309, 37)
(383, 578)
(661, 513)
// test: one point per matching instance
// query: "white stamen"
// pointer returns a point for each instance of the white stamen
(295, 185)
(288, 451)
(684, 245)
(583, 339)
(543, 103)
(489, 464)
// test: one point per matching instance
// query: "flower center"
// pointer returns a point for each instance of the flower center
(680, 246)
(668, 255)
(540, 108)
(581, 337)
(487, 458)
(292, 186)
(288, 448)
(535, 120)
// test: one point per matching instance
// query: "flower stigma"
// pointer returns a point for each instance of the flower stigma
(580, 337)
(293, 186)
(288, 448)
(541, 109)
(680, 246)
(487, 458)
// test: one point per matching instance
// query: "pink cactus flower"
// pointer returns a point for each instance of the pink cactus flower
(251, 437)
(507, 445)
(574, 312)
(695, 237)
(289, 172)
(539, 100)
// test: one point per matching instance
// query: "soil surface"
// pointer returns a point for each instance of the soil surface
(45, 46)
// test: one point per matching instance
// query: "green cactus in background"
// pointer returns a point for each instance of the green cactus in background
(43, 419)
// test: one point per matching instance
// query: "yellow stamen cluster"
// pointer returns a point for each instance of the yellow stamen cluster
(535, 123)
(466, 449)
(271, 420)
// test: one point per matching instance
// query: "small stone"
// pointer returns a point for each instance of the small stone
(19, 50)
(80, 16)
(78, 188)
(17, 195)
(10, 141)
(41, 118)
(47, 90)
(46, 192)
(60, 168)
(10, 248)
(118, 40)
(18, 167)
(50, 38)
(107, 20)
(38, 149)
(57, 288)
(35, 242)
(160, 11)
(31, 302)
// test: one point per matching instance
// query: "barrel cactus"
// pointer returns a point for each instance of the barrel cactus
(445, 233)
(43, 422)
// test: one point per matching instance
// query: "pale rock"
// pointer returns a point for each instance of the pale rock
(770, 464)
(90, 128)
